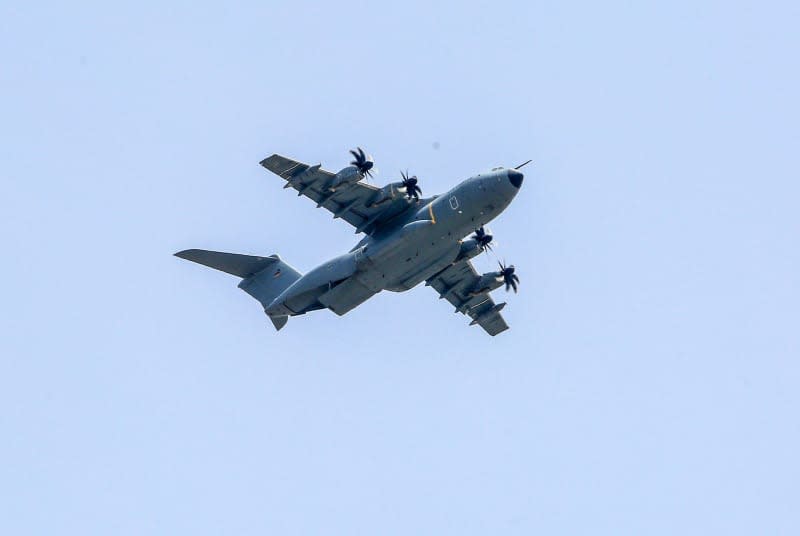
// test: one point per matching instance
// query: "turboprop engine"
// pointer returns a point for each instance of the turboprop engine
(475, 245)
(359, 168)
(493, 280)
(469, 248)
(408, 187)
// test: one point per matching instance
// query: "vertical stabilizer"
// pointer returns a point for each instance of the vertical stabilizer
(264, 278)
(268, 283)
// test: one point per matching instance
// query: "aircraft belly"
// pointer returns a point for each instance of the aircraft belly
(346, 296)
(405, 272)
(307, 301)
(418, 250)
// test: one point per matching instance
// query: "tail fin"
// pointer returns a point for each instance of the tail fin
(264, 278)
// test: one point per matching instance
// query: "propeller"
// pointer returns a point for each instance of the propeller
(483, 238)
(410, 185)
(362, 161)
(509, 277)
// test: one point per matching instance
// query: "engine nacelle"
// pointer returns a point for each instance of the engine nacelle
(346, 176)
(469, 248)
(487, 283)
(387, 193)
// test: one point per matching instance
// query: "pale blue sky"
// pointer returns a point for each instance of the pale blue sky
(649, 383)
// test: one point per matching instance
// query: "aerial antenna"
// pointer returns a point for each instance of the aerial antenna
(523, 164)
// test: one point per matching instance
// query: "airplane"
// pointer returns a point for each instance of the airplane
(408, 239)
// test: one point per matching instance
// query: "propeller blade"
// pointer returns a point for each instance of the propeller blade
(483, 238)
(410, 185)
(508, 276)
(362, 161)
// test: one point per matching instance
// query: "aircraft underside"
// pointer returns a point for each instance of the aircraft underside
(399, 272)
(408, 239)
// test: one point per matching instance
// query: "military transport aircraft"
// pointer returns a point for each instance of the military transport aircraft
(409, 239)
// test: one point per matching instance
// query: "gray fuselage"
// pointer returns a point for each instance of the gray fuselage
(415, 245)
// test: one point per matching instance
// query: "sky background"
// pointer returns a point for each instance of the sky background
(650, 381)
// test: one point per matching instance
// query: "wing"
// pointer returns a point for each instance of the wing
(455, 283)
(350, 202)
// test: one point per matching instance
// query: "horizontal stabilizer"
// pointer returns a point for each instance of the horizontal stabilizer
(233, 263)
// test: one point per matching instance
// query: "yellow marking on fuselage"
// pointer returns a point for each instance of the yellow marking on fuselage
(430, 211)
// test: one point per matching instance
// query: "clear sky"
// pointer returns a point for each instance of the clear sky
(649, 383)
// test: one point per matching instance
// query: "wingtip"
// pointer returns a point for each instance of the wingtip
(264, 161)
(184, 254)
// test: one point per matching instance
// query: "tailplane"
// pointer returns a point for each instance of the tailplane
(264, 278)
(232, 263)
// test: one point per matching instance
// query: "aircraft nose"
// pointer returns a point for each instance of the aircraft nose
(515, 177)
